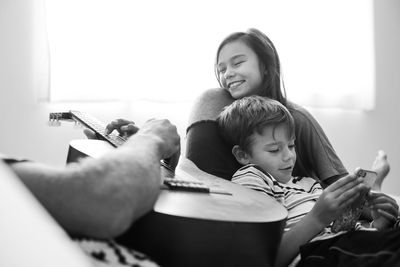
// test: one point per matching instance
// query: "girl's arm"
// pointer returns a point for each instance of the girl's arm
(316, 156)
(204, 145)
(209, 104)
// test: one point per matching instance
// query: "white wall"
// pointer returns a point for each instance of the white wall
(24, 129)
(356, 136)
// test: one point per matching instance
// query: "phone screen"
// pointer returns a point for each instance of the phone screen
(349, 218)
(369, 176)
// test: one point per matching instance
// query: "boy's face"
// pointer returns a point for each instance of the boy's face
(274, 151)
(239, 69)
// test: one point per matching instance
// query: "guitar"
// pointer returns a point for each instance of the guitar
(99, 129)
(242, 228)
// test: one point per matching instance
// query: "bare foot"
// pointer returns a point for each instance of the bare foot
(382, 167)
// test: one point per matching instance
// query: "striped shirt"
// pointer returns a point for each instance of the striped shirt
(298, 196)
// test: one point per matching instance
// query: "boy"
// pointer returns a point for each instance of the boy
(261, 133)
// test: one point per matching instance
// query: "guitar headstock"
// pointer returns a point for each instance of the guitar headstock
(85, 120)
(55, 118)
(99, 129)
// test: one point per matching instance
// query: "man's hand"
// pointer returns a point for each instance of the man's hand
(124, 127)
(166, 133)
(90, 134)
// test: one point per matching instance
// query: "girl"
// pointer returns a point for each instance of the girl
(247, 63)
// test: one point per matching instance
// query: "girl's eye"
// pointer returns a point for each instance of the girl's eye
(273, 150)
(222, 70)
(292, 146)
(238, 63)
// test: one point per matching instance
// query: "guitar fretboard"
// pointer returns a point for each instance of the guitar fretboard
(99, 128)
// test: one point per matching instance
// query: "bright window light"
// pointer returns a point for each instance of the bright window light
(165, 50)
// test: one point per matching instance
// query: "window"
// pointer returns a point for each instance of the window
(164, 50)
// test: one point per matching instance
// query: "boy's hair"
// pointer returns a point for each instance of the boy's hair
(267, 55)
(249, 115)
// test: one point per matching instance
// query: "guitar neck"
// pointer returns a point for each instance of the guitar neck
(97, 127)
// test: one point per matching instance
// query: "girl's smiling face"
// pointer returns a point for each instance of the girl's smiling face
(240, 71)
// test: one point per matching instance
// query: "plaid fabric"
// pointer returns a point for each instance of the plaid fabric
(107, 253)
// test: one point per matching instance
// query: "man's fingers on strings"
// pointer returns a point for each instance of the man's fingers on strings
(111, 127)
(129, 129)
(123, 121)
(89, 133)
(116, 125)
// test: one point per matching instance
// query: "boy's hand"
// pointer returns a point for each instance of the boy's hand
(384, 209)
(337, 197)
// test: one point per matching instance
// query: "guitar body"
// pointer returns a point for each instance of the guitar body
(83, 148)
(198, 229)
(182, 241)
(241, 228)
(195, 229)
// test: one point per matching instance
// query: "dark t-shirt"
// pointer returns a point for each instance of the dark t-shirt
(315, 155)
(208, 150)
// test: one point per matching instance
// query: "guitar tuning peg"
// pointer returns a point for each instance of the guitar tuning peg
(54, 123)
(78, 125)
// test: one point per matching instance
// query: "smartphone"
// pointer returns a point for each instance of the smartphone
(352, 213)
(369, 176)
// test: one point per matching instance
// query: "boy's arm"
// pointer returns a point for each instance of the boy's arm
(329, 206)
(300, 234)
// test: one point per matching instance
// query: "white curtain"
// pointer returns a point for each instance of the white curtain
(165, 50)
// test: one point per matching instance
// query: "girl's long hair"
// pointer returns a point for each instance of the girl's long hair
(273, 84)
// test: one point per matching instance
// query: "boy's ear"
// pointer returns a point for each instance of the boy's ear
(241, 156)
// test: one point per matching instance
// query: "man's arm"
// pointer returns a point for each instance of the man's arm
(102, 197)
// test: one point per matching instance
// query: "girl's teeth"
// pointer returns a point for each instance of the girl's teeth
(235, 84)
